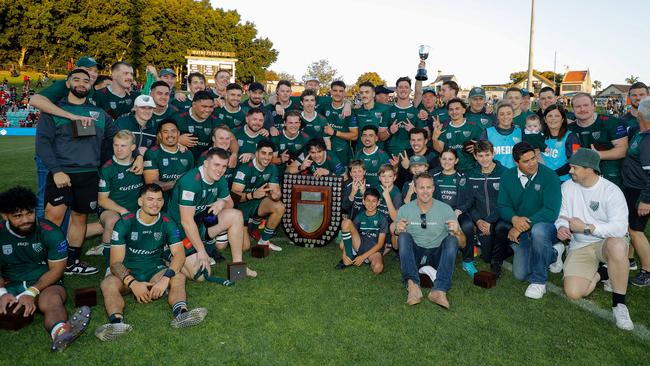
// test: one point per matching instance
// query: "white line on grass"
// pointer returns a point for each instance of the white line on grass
(639, 330)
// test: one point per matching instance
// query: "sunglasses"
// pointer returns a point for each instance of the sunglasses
(423, 221)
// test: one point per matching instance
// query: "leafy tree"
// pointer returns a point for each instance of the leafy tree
(324, 72)
(518, 76)
(371, 76)
(632, 79)
(597, 85)
(270, 75)
(286, 76)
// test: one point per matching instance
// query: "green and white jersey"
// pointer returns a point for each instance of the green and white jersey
(372, 162)
(278, 121)
(331, 163)
(231, 119)
(395, 196)
(25, 258)
(192, 190)
(450, 189)
(369, 228)
(373, 116)
(442, 114)
(601, 133)
(399, 141)
(170, 165)
(58, 90)
(145, 136)
(294, 146)
(247, 141)
(230, 172)
(455, 136)
(169, 113)
(182, 106)
(200, 129)
(333, 116)
(321, 100)
(314, 127)
(481, 119)
(114, 105)
(520, 120)
(122, 186)
(251, 177)
(144, 243)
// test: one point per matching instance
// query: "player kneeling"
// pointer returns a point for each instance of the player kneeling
(363, 238)
(32, 263)
(137, 265)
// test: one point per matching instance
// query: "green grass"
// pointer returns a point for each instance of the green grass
(301, 311)
(18, 81)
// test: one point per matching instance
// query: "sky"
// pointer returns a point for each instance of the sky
(481, 42)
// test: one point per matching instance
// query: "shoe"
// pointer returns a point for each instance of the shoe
(470, 269)
(96, 250)
(189, 318)
(76, 325)
(274, 247)
(414, 296)
(112, 331)
(340, 265)
(254, 231)
(633, 265)
(556, 267)
(642, 279)
(535, 291)
(622, 316)
(216, 255)
(495, 267)
(607, 285)
(439, 298)
(80, 268)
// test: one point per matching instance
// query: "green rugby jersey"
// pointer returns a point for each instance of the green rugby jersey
(58, 90)
(601, 133)
(278, 121)
(122, 186)
(442, 114)
(331, 163)
(170, 165)
(144, 243)
(455, 136)
(333, 117)
(114, 105)
(231, 119)
(192, 190)
(200, 129)
(321, 100)
(481, 119)
(314, 127)
(372, 163)
(251, 177)
(145, 136)
(399, 141)
(450, 189)
(520, 120)
(25, 258)
(182, 106)
(294, 146)
(395, 196)
(369, 228)
(373, 116)
(247, 142)
(169, 113)
(230, 172)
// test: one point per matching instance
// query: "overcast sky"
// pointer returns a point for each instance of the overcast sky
(481, 42)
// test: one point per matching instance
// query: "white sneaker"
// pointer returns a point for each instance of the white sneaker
(96, 250)
(535, 291)
(607, 285)
(272, 246)
(429, 271)
(622, 316)
(556, 267)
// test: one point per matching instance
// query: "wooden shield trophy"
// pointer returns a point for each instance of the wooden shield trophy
(313, 208)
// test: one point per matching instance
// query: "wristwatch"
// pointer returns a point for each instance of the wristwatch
(169, 273)
(587, 230)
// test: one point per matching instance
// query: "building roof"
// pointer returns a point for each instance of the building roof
(623, 88)
(443, 78)
(540, 77)
(575, 76)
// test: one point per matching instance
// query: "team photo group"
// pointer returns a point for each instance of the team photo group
(178, 179)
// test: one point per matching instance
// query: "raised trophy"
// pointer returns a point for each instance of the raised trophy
(424, 54)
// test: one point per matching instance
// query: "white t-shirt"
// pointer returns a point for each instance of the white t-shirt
(602, 205)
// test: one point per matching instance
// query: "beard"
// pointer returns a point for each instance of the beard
(79, 92)
(24, 232)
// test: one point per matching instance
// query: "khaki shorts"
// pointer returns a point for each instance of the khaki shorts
(583, 262)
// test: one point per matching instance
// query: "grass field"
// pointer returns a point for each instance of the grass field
(301, 311)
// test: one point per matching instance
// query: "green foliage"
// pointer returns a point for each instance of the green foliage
(518, 76)
(158, 32)
(324, 72)
(597, 84)
(371, 76)
(632, 79)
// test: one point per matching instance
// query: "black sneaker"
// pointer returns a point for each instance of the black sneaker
(340, 265)
(216, 255)
(80, 268)
(633, 265)
(642, 279)
(496, 268)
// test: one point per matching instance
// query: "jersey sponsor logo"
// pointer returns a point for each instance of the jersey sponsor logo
(120, 175)
(467, 133)
(165, 162)
(593, 205)
(187, 195)
(62, 247)
(7, 249)
(37, 247)
(240, 175)
(131, 187)
(148, 163)
(134, 235)
(115, 236)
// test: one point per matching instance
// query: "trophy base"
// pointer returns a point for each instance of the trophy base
(11, 321)
(260, 251)
(86, 296)
(236, 271)
(485, 279)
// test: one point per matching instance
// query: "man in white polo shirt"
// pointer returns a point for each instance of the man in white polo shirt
(593, 216)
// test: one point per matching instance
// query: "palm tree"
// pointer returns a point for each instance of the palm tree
(632, 79)
(597, 85)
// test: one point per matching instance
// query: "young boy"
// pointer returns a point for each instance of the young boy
(354, 189)
(364, 237)
(417, 164)
(391, 199)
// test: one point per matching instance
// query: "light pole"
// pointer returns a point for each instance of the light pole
(530, 47)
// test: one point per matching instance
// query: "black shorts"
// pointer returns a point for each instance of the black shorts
(637, 223)
(81, 197)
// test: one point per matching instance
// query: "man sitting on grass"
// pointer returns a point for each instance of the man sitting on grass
(137, 266)
(32, 263)
(364, 236)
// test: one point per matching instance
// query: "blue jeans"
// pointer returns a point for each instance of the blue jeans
(534, 253)
(41, 180)
(442, 258)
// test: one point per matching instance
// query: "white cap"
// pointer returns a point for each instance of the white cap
(144, 101)
(310, 78)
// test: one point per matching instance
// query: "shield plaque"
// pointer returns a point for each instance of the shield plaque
(313, 208)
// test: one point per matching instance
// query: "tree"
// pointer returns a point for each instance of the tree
(632, 79)
(371, 76)
(270, 75)
(518, 76)
(325, 73)
(597, 85)
(286, 76)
